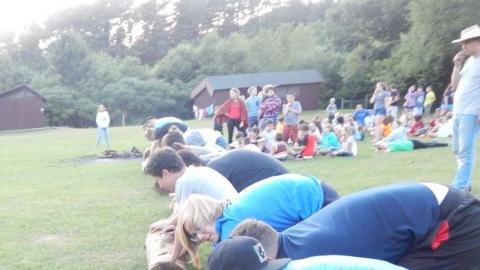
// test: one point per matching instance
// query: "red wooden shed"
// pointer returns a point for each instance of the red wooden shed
(21, 108)
(304, 84)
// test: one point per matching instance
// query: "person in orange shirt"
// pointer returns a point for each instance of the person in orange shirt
(387, 125)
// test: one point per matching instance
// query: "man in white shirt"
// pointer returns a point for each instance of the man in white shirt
(466, 106)
(170, 173)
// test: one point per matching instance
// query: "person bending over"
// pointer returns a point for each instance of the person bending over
(417, 226)
(280, 201)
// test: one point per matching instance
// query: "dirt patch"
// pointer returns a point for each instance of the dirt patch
(108, 156)
(95, 159)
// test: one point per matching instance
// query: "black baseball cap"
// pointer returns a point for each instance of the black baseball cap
(242, 253)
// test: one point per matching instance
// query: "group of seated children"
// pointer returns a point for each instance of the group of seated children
(315, 138)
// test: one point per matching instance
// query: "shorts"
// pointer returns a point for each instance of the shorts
(380, 111)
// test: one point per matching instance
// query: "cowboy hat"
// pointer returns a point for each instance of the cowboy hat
(469, 33)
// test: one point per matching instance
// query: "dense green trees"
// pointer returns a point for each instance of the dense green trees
(145, 59)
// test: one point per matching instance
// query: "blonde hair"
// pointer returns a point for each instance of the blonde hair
(236, 90)
(150, 134)
(197, 211)
(101, 108)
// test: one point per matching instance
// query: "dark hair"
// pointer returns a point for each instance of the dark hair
(173, 137)
(164, 159)
(388, 119)
(304, 127)
(417, 117)
(189, 158)
(254, 129)
(239, 135)
(340, 120)
(278, 136)
(268, 122)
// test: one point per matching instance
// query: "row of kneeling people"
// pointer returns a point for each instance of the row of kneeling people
(257, 215)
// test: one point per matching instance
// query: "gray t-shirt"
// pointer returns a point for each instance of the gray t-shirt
(291, 118)
(380, 100)
(467, 95)
(205, 181)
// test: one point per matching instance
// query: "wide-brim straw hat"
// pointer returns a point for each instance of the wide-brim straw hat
(469, 33)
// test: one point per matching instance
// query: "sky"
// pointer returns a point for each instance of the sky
(16, 15)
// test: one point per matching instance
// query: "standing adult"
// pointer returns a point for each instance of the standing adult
(253, 106)
(103, 121)
(234, 112)
(394, 99)
(466, 106)
(380, 103)
(409, 100)
(447, 102)
(429, 100)
(271, 106)
(419, 100)
(292, 110)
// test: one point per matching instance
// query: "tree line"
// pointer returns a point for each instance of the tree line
(145, 59)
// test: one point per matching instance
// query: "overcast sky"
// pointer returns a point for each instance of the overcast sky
(16, 15)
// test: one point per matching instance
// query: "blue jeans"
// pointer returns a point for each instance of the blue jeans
(252, 121)
(465, 129)
(103, 132)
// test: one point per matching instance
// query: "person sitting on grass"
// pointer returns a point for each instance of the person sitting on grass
(329, 141)
(256, 139)
(170, 173)
(413, 225)
(280, 125)
(349, 145)
(444, 127)
(316, 128)
(280, 148)
(247, 253)
(305, 146)
(387, 125)
(418, 128)
(285, 200)
(269, 135)
(360, 115)
(245, 167)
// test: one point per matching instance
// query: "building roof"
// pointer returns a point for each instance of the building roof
(19, 88)
(212, 83)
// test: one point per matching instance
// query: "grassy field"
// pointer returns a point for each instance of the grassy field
(57, 212)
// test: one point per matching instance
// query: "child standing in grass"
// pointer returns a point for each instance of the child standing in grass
(331, 110)
(103, 121)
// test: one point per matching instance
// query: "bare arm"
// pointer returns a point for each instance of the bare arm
(458, 61)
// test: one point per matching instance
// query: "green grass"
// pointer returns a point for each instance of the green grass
(56, 214)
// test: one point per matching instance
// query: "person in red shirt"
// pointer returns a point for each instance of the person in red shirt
(306, 143)
(234, 113)
(418, 128)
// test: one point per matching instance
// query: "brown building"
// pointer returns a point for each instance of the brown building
(304, 84)
(21, 108)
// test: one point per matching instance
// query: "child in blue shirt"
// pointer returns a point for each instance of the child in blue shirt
(280, 201)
